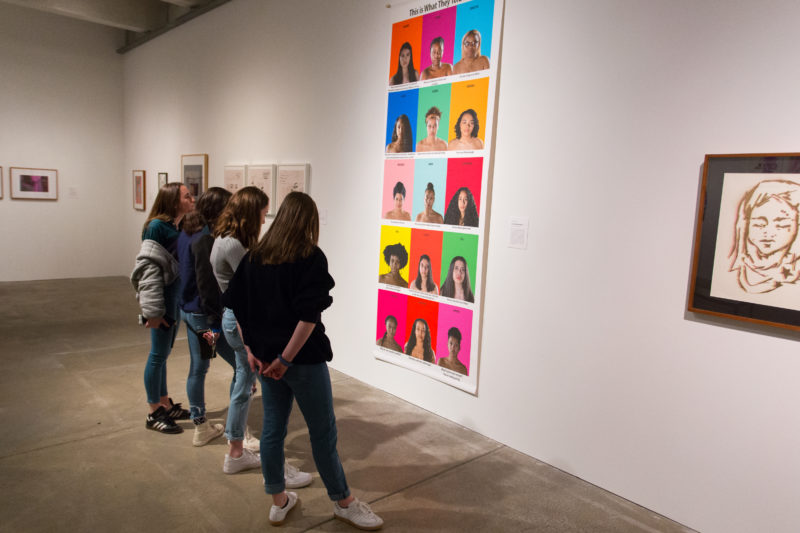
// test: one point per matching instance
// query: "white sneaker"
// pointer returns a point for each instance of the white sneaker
(250, 442)
(277, 515)
(358, 514)
(206, 432)
(247, 461)
(294, 477)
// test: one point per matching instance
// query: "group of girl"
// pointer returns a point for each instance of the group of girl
(258, 304)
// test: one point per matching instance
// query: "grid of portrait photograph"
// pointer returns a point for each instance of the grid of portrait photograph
(437, 129)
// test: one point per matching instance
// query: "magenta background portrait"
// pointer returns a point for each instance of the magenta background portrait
(392, 303)
(395, 170)
(439, 24)
(452, 316)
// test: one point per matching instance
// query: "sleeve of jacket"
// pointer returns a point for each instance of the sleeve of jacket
(148, 280)
(207, 286)
(312, 296)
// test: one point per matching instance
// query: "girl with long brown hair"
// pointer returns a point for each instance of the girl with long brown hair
(155, 279)
(278, 294)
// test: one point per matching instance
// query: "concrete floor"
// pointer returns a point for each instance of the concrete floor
(75, 455)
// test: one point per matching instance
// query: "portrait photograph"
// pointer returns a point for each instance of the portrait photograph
(398, 189)
(391, 327)
(747, 252)
(438, 33)
(454, 338)
(433, 118)
(474, 36)
(459, 259)
(404, 54)
(33, 183)
(401, 120)
(468, 106)
(422, 319)
(430, 180)
(139, 190)
(463, 194)
(425, 261)
(393, 256)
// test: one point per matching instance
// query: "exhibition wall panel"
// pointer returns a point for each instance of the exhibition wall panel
(61, 108)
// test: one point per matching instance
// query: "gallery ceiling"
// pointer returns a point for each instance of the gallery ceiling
(142, 20)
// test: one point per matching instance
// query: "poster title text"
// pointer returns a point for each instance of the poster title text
(432, 6)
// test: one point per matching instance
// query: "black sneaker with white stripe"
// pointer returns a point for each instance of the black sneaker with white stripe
(176, 412)
(160, 421)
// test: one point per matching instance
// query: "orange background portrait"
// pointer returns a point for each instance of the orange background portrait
(406, 31)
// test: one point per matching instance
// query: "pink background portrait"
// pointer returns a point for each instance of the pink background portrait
(438, 24)
(452, 316)
(395, 170)
(392, 303)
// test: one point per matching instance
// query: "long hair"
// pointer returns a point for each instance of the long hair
(449, 286)
(165, 207)
(206, 210)
(293, 235)
(427, 351)
(783, 190)
(397, 79)
(241, 217)
(453, 215)
(407, 146)
(429, 285)
(475, 128)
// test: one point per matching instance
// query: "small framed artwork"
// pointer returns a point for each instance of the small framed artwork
(139, 188)
(33, 183)
(233, 177)
(162, 179)
(747, 250)
(194, 173)
(1, 183)
(263, 177)
(290, 178)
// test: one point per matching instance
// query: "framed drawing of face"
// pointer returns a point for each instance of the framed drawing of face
(747, 250)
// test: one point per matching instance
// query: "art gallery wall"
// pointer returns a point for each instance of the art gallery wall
(605, 110)
(589, 361)
(61, 108)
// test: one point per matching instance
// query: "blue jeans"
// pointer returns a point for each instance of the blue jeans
(242, 382)
(155, 370)
(311, 386)
(198, 367)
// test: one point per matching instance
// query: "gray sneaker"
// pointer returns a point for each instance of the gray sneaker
(247, 461)
(277, 515)
(358, 514)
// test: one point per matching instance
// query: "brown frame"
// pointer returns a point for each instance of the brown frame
(195, 187)
(1, 183)
(143, 205)
(715, 167)
(31, 195)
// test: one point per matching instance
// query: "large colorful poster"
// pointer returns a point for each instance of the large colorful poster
(439, 118)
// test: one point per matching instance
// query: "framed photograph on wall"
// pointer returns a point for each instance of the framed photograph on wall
(290, 178)
(162, 179)
(747, 249)
(263, 177)
(233, 177)
(139, 188)
(33, 183)
(194, 173)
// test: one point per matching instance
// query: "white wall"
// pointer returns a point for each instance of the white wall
(589, 360)
(61, 108)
